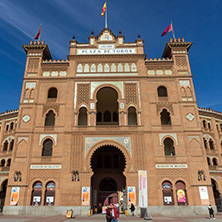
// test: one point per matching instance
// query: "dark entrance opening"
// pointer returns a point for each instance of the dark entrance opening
(2, 194)
(108, 181)
(217, 195)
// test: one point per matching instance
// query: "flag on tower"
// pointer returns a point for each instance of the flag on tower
(38, 34)
(104, 9)
(168, 29)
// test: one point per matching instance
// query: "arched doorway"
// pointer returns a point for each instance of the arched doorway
(2, 194)
(217, 196)
(108, 164)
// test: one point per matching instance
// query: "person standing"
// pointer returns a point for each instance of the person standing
(132, 208)
(211, 212)
(115, 214)
(108, 214)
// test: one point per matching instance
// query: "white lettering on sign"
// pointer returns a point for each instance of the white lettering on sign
(106, 47)
(45, 167)
(106, 51)
(171, 166)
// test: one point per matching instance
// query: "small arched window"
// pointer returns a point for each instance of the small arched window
(165, 117)
(50, 119)
(82, 118)
(209, 126)
(2, 163)
(205, 143)
(36, 194)
(99, 117)
(7, 127)
(169, 147)
(107, 116)
(47, 148)
(50, 194)
(11, 125)
(167, 190)
(208, 161)
(215, 163)
(211, 142)
(115, 117)
(204, 124)
(221, 127)
(52, 93)
(181, 193)
(5, 146)
(11, 145)
(9, 162)
(132, 116)
(162, 91)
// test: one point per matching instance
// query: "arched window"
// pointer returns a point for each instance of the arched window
(183, 92)
(50, 118)
(47, 148)
(162, 91)
(5, 146)
(208, 161)
(82, 118)
(115, 117)
(205, 143)
(11, 125)
(132, 116)
(27, 93)
(221, 127)
(165, 117)
(211, 142)
(107, 105)
(11, 145)
(204, 124)
(181, 193)
(209, 126)
(36, 194)
(169, 147)
(107, 116)
(7, 127)
(167, 193)
(52, 93)
(99, 117)
(189, 92)
(50, 194)
(9, 162)
(2, 163)
(215, 163)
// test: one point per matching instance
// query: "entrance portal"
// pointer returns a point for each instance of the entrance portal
(108, 164)
(2, 194)
(217, 196)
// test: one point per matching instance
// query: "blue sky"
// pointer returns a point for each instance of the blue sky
(199, 21)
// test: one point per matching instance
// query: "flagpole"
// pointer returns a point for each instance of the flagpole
(173, 30)
(106, 16)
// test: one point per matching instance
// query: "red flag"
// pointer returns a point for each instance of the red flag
(168, 29)
(38, 34)
(104, 9)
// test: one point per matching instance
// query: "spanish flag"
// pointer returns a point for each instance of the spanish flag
(104, 9)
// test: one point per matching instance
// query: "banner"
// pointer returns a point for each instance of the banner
(14, 196)
(131, 195)
(142, 174)
(204, 195)
(86, 196)
(181, 196)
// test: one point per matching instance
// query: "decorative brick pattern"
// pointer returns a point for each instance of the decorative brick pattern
(33, 63)
(139, 152)
(76, 151)
(83, 94)
(131, 95)
(45, 174)
(49, 106)
(172, 174)
(167, 106)
(181, 61)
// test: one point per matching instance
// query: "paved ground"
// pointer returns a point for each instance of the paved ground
(98, 218)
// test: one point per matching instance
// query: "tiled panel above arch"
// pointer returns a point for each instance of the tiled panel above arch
(83, 94)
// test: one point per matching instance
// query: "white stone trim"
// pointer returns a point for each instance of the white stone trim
(42, 136)
(162, 135)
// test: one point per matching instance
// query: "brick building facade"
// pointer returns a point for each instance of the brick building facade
(87, 126)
